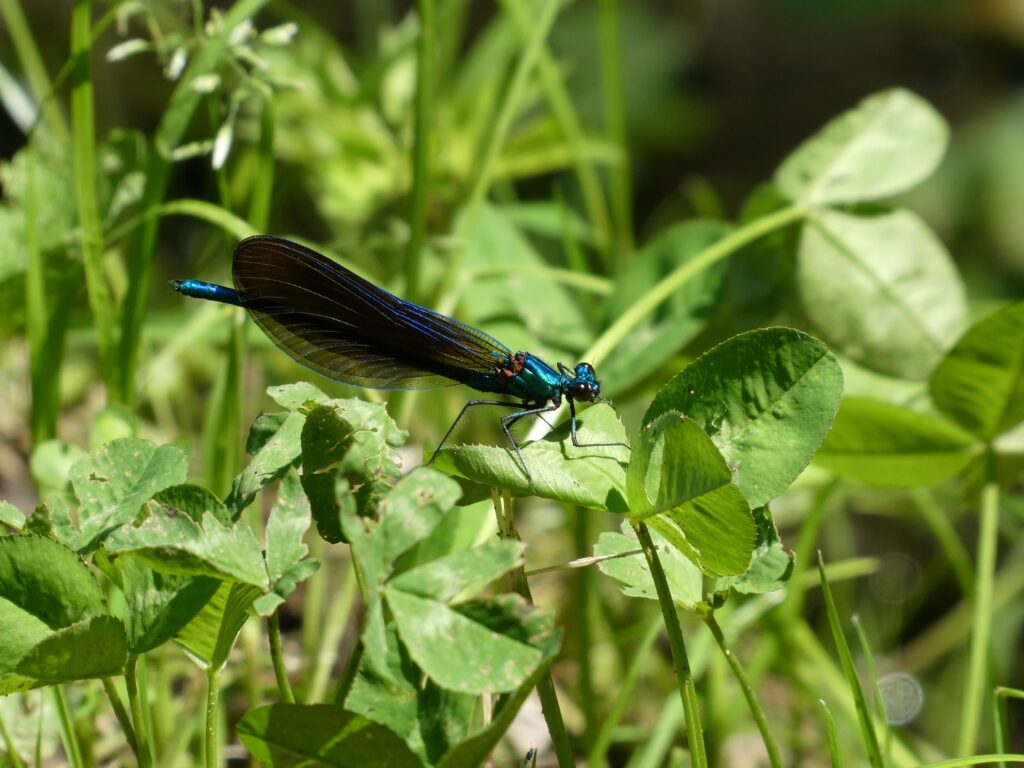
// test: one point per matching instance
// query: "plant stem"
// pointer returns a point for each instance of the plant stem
(212, 739)
(83, 132)
(67, 727)
(684, 678)
(122, 715)
(999, 697)
(326, 650)
(981, 624)
(143, 750)
(422, 130)
(615, 119)
(748, 690)
(348, 675)
(545, 685)
(277, 658)
(672, 283)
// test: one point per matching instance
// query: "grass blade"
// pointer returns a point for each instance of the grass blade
(867, 727)
(834, 753)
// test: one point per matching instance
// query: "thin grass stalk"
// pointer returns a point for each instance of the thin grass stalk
(876, 691)
(614, 94)
(169, 134)
(505, 514)
(981, 624)
(598, 757)
(670, 285)
(835, 753)
(44, 328)
(962, 762)
(867, 726)
(423, 124)
(348, 675)
(211, 739)
(83, 132)
(144, 750)
(33, 67)
(582, 604)
(66, 726)
(1000, 715)
(748, 690)
(123, 719)
(284, 688)
(684, 677)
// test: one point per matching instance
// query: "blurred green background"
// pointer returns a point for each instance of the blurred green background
(713, 95)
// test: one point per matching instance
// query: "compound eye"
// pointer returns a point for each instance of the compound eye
(583, 391)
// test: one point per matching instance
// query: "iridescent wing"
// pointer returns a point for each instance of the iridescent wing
(346, 328)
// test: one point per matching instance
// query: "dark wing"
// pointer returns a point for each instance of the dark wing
(346, 328)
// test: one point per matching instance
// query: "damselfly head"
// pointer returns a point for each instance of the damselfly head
(585, 387)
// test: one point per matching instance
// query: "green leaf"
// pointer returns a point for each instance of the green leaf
(355, 443)
(159, 605)
(588, 477)
(766, 399)
(460, 528)
(885, 445)
(467, 571)
(882, 289)
(678, 320)
(680, 485)
(685, 581)
(11, 516)
(980, 382)
(413, 509)
(282, 735)
(482, 646)
(887, 144)
(195, 501)
(209, 637)
(673, 463)
(91, 648)
(114, 482)
(171, 542)
(285, 551)
(428, 718)
(268, 464)
(54, 617)
(770, 566)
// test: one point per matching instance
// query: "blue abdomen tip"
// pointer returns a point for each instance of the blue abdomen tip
(197, 289)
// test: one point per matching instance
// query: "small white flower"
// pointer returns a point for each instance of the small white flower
(176, 65)
(128, 48)
(205, 83)
(281, 34)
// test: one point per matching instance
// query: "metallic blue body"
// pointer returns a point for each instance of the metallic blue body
(197, 289)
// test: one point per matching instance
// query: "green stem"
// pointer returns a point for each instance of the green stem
(173, 125)
(672, 283)
(615, 118)
(545, 686)
(348, 675)
(144, 751)
(422, 130)
(585, 595)
(122, 715)
(67, 727)
(938, 521)
(684, 677)
(83, 132)
(748, 690)
(981, 625)
(212, 737)
(806, 545)
(1002, 726)
(277, 658)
